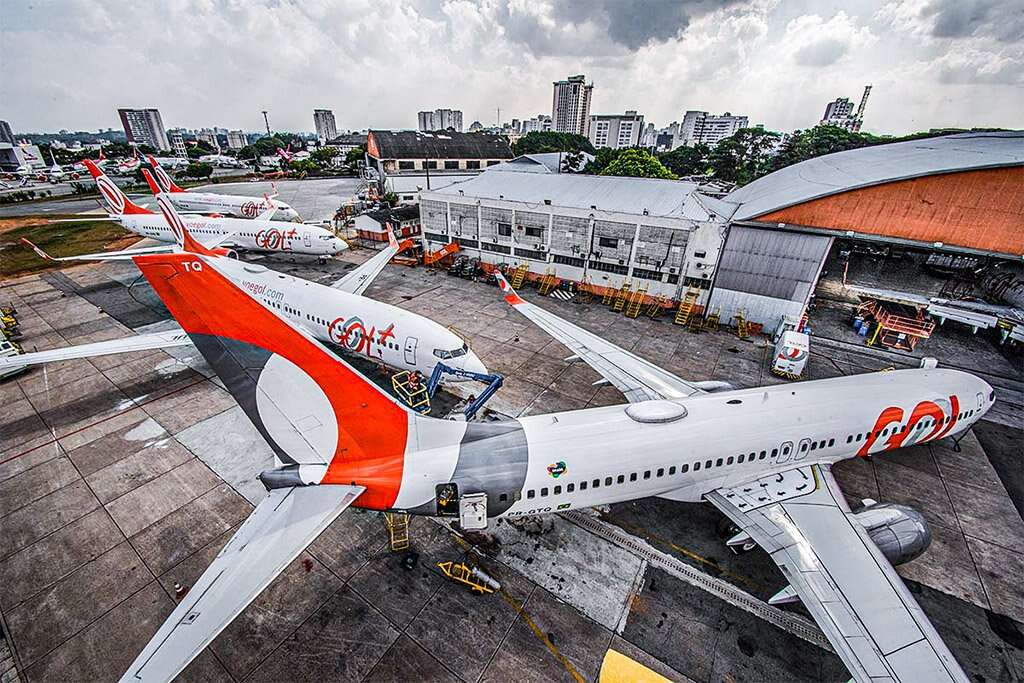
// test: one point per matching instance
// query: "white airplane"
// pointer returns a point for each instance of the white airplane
(210, 202)
(259, 234)
(335, 314)
(172, 163)
(762, 456)
(222, 161)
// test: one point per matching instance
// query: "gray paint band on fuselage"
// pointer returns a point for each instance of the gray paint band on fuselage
(493, 459)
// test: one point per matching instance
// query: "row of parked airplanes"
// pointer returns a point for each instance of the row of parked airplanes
(26, 174)
(762, 456)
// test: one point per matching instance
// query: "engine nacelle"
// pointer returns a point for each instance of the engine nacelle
(900, 532)
(222, 251)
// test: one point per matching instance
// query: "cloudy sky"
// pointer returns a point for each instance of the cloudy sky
(933, 63)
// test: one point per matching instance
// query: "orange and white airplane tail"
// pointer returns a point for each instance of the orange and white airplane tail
(116, 201)
(164, 179)
(182, 237)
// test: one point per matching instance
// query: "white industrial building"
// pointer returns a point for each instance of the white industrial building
(440, 119)
(616, 131)
(603, 230)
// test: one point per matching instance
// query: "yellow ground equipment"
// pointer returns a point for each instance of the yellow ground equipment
(618, 668)
(585, 291)
(474, 577)
(687, 306)
(714, 320)
(413, 392)
(620, 297)
(547, 283)
(742, 331)
(519, 275)
(656, 307)
(398, 530)
(635, 302)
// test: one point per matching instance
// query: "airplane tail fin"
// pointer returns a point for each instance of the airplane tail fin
(164, 179)
(102, 156)
(391, 236)
(182, 236)
(153, 187)
(117, 202)
(318, 415)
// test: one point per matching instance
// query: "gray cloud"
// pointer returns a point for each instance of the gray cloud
(999, 19)
(821, 53)
(604, 26)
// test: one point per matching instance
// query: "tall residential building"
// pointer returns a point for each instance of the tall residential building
(237, 139)
(538, 124)
(208, 136)
(570, 105)
(6, 135)
(616, 131)
(326, 128)
(178, 145)
(702, 128)
(144, 127)
(440, 119)
(840, 112)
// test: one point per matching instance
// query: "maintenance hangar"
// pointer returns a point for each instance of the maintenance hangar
(660, 235)
(910, 223)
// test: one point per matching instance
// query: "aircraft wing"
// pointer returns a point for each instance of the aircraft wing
(123, 255)
(141, 342)
(635, 377)
(280, 528)
(356, 281)
(800, 518)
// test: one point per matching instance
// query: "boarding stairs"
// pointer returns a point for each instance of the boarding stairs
(742, 326)
(619, 302)
(519, 275)
(687, 306)
(397, 524)
(714, 320)
(547, 283)
(635, 301)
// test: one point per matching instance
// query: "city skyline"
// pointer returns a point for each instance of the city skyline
(932, 66)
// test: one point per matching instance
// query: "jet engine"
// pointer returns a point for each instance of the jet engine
(222, 251)
(900, 532)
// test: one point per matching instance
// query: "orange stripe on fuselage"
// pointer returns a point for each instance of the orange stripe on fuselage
(372, 429)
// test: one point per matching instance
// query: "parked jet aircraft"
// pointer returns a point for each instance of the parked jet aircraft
(763, 456)
(259, 234)
(335, 314)
(210, 202)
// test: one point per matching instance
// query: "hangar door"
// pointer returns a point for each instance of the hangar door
(767, 273)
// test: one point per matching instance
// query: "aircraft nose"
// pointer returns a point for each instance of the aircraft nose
(339, 245)
(472, 363)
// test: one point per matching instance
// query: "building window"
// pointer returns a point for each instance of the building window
(568, 261)
(493, 162)
(431, 163)
(406, 165)
(534, 232)
(609, 267)
(608, 242)
(473, 163)
(505, 229)
(647, 274)
(530, 253)
(451, 164)
(496, 248)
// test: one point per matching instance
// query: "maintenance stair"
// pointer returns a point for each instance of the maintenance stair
(635, 301)
(687, 306)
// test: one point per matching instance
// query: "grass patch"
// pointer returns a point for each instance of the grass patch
(57, 239)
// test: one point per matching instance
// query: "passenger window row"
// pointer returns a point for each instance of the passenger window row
(903, 429)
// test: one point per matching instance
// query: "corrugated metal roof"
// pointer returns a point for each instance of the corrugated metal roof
(669, 198)
(856, 168)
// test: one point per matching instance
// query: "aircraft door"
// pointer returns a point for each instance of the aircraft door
(307, 239)
(410, 350)
(802, 450)
(785, 451)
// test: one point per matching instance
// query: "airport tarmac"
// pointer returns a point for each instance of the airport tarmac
(122, 476)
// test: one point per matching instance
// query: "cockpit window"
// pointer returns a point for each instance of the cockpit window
(445, 355)
(442, 354)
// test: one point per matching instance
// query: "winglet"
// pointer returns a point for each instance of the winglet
(182, 236)
(510, 294)
(391, 236)
(42, 254)
(117, 201)
(153, 187)
(167, 184)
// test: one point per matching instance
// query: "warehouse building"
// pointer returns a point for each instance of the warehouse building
(912, 202)
(603, 230)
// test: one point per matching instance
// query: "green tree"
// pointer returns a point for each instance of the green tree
(539, 142)
(685, 160)
(815, 142)
(199, 170)
(602, 158)
(391, 199)
(354, 156)
(304, 166)
(637, 163)
(324, 156)
(745, 156)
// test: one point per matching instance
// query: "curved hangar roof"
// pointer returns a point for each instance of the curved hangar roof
(965, 189)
